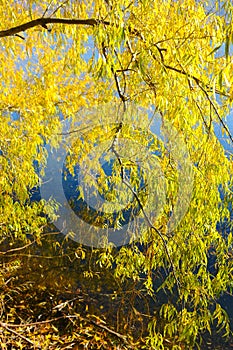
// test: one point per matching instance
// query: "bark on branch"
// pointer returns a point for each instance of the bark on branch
(50, 20)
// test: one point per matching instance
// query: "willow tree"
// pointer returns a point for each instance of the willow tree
(106, 76)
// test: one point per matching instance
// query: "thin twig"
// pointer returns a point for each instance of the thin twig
(20, 36)
(122, 70)
(197, 80)
(216, 112)
(60, 6)
(47, 8)
(7, 327)
(17, 249)
(203, 118)
(116, 78)
(149, 223)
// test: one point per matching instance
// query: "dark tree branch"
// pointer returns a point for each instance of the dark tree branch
(20, 36)
(197, 80)
(44, 21)
(121, 93)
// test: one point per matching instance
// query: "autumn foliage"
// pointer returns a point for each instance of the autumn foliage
(110, 70)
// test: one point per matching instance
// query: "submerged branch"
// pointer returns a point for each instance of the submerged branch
(10, 330)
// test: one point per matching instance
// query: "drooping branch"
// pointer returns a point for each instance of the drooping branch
(197, 80)
(217, 114)
(146, 217)
(49, 20)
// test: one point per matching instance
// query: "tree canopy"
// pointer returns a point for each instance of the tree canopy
(123, 97)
